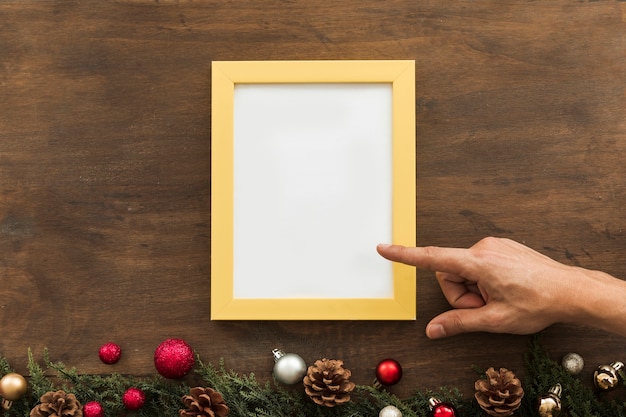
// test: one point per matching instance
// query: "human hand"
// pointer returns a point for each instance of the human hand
(498, 286)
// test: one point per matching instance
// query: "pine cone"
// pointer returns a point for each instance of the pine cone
(327, 383)
(57, 404)
(500, 394)
(204, 402)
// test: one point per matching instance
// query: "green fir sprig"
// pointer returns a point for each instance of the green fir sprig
(246, 397)
(578, 399)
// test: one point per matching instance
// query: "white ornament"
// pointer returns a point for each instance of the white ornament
(573, 363)
(390, 411)
(289, 367)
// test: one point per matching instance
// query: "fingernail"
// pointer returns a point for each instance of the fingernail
(383, 245)
(435, 331)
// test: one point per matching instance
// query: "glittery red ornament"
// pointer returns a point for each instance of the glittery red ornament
(388, 372)
(174, 358)
(110, 353)
(93, 409)
(439, 409)
(134, 398)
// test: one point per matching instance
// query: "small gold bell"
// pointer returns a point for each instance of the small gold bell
(550, 404)
(606, 377)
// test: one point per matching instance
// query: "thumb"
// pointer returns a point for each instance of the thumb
(453, 322)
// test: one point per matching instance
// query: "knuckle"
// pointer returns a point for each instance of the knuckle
(458, 324)
(431, 251)
(431, 255)
(489, 242)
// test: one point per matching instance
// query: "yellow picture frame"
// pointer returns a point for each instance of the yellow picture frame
(226, 76)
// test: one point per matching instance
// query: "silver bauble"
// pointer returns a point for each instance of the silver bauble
(289, 367)
(573, 363)
(390, 411)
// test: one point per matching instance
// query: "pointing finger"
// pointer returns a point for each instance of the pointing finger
(452, 260)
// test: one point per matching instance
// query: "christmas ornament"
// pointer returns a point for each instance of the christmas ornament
(606, 377)
(573, 363)
(174, 358)
(500, 394)
(439, 409)
(204, 402)
(13, 386)
(110, 353)
(55, 404)
(93, 409)
(134, 398)
(327, 383)
(550, 404)
(390, 411)
(388, 372)
(289, 368)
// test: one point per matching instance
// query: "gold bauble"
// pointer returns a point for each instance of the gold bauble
(13, 386)
(606, 377)
(550, 404)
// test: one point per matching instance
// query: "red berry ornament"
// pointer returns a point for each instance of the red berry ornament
(388, 372)
(93, 409)
(174, 358)
(439, 409)
(134, 398)
(110, 353)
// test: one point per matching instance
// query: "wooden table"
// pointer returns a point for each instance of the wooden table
(105, 179)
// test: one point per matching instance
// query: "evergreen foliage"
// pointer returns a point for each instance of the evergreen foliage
(246, 397)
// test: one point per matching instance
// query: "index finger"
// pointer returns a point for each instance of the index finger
(452, 260)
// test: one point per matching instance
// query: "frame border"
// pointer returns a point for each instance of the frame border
(225, 74)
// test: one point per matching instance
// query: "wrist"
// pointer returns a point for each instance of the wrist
(597, 300)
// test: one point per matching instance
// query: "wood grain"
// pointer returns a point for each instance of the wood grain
(105, 177)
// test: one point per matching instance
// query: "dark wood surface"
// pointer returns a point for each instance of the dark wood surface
(105, 180)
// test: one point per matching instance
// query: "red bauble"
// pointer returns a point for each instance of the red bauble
(388, 372)
(93, 409)
(110, 353)
(174, 358)
(439, 409)
(134, 398)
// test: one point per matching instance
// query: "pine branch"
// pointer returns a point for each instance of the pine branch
(247, 398)
(543, 372)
